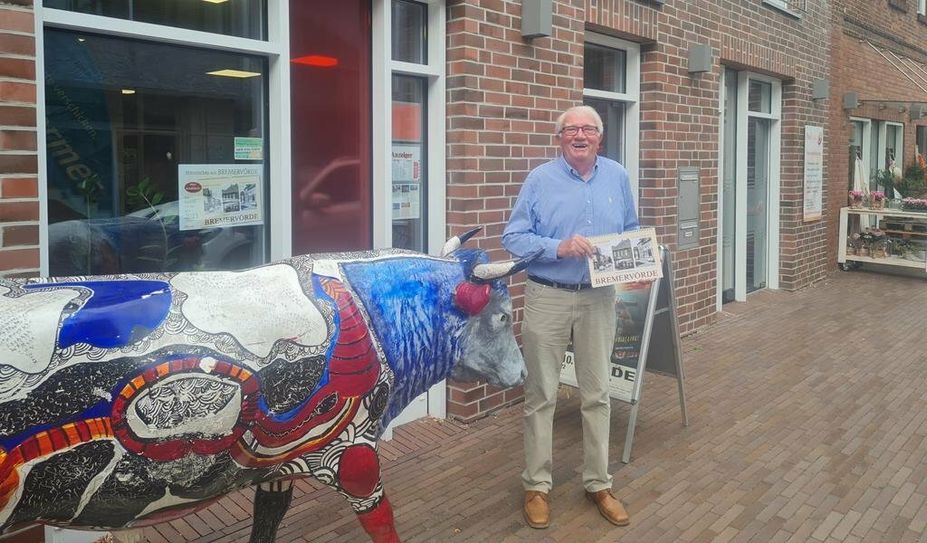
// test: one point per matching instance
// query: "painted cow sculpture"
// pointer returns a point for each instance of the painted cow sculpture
(133, 399)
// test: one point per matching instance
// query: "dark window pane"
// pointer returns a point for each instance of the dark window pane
(409, 36)
(604, 68)
(331, 120)
(121, 126)
(242, 18)
(613, 137)
(409, 172)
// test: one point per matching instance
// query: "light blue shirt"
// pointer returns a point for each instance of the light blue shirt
(555, 203)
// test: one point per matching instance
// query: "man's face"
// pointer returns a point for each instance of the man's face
(579, 149)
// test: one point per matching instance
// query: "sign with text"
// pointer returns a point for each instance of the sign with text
(814, 173)
(220, 195)
(631, 311)
(625, 258)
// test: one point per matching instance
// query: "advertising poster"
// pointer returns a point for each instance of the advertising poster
(631, 310)
(814, 172)
(623, 258)
(407, 180)
(249, 148)
(220, 195)
(406, 201)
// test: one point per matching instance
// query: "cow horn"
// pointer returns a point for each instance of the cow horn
(498, 270)
(455, 242)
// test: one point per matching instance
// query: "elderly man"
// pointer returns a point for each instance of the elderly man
(561, 204)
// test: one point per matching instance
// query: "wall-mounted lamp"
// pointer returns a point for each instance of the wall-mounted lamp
(850, 100)
(536, 18)
(918, 111)
(700, 60)
(820, 89)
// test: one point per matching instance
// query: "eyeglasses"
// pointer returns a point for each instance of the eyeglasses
(573, 130)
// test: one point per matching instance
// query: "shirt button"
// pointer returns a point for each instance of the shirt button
(589, 221)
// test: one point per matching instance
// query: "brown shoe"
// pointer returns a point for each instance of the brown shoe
(536, 511)
(609, 507)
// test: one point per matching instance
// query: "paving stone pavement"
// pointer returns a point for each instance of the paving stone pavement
(808, 422)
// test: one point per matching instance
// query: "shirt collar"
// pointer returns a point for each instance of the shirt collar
(569, 169)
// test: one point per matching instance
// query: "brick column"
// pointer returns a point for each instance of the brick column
(503, 96)
(19, 204)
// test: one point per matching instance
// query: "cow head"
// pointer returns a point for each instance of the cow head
(490, 352)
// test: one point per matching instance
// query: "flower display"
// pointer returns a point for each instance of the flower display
(877, 195)
(856, 194)
(914, 204)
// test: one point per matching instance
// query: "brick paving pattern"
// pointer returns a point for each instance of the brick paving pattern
(807, 423)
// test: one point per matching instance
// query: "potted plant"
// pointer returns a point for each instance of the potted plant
(877, 199)
(854, 243)
(878, 244)
(914, 204)
(856, 199)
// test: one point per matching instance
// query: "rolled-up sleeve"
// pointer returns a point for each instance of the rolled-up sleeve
(519, 237)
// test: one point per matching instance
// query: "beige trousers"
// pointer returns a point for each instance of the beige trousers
(551, 315)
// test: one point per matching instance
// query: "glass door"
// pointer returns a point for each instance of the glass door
(757, 208)
(728, 186)
(748, 242)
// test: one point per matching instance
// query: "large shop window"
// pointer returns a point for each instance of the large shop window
(243, 18)
(155, 154)
(922, 140)
(611, 81)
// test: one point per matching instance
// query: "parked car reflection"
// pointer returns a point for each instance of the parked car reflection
(148, 241)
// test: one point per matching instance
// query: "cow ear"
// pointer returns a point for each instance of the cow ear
(457, 241)
(471, 298)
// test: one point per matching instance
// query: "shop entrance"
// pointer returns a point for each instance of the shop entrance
(748, 244)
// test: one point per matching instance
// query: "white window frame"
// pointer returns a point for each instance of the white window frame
(922, 7)
(275, 49)
(434, 72)
(631, 97)
(865, 149)
(772, 217)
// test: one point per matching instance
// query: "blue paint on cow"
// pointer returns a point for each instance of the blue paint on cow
(118, 313)
(410, 302)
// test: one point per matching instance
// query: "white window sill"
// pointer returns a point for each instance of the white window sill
(781, 6)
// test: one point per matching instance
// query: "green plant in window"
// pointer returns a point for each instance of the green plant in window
(145, 196)
(887, 181)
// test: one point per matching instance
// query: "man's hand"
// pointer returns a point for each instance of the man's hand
(576, 246)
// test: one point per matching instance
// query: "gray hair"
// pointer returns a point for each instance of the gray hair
(589, 110)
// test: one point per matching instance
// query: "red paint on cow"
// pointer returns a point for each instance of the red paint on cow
(471, 298)
(379, 523)
(359, 470)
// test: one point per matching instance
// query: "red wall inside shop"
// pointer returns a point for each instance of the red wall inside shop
(331, 119)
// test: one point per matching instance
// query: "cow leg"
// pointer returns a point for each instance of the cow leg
(271, 500)
(359, 479)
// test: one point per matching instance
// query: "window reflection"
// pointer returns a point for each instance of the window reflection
(242, 18)
(121, 123)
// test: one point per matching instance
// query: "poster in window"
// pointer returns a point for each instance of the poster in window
(220, 195)
(407, 181)
(814, 172)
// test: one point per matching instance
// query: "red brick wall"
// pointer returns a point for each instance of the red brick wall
(19, 205)
(504, 93)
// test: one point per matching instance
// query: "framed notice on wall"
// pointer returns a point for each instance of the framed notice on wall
(814, 172)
